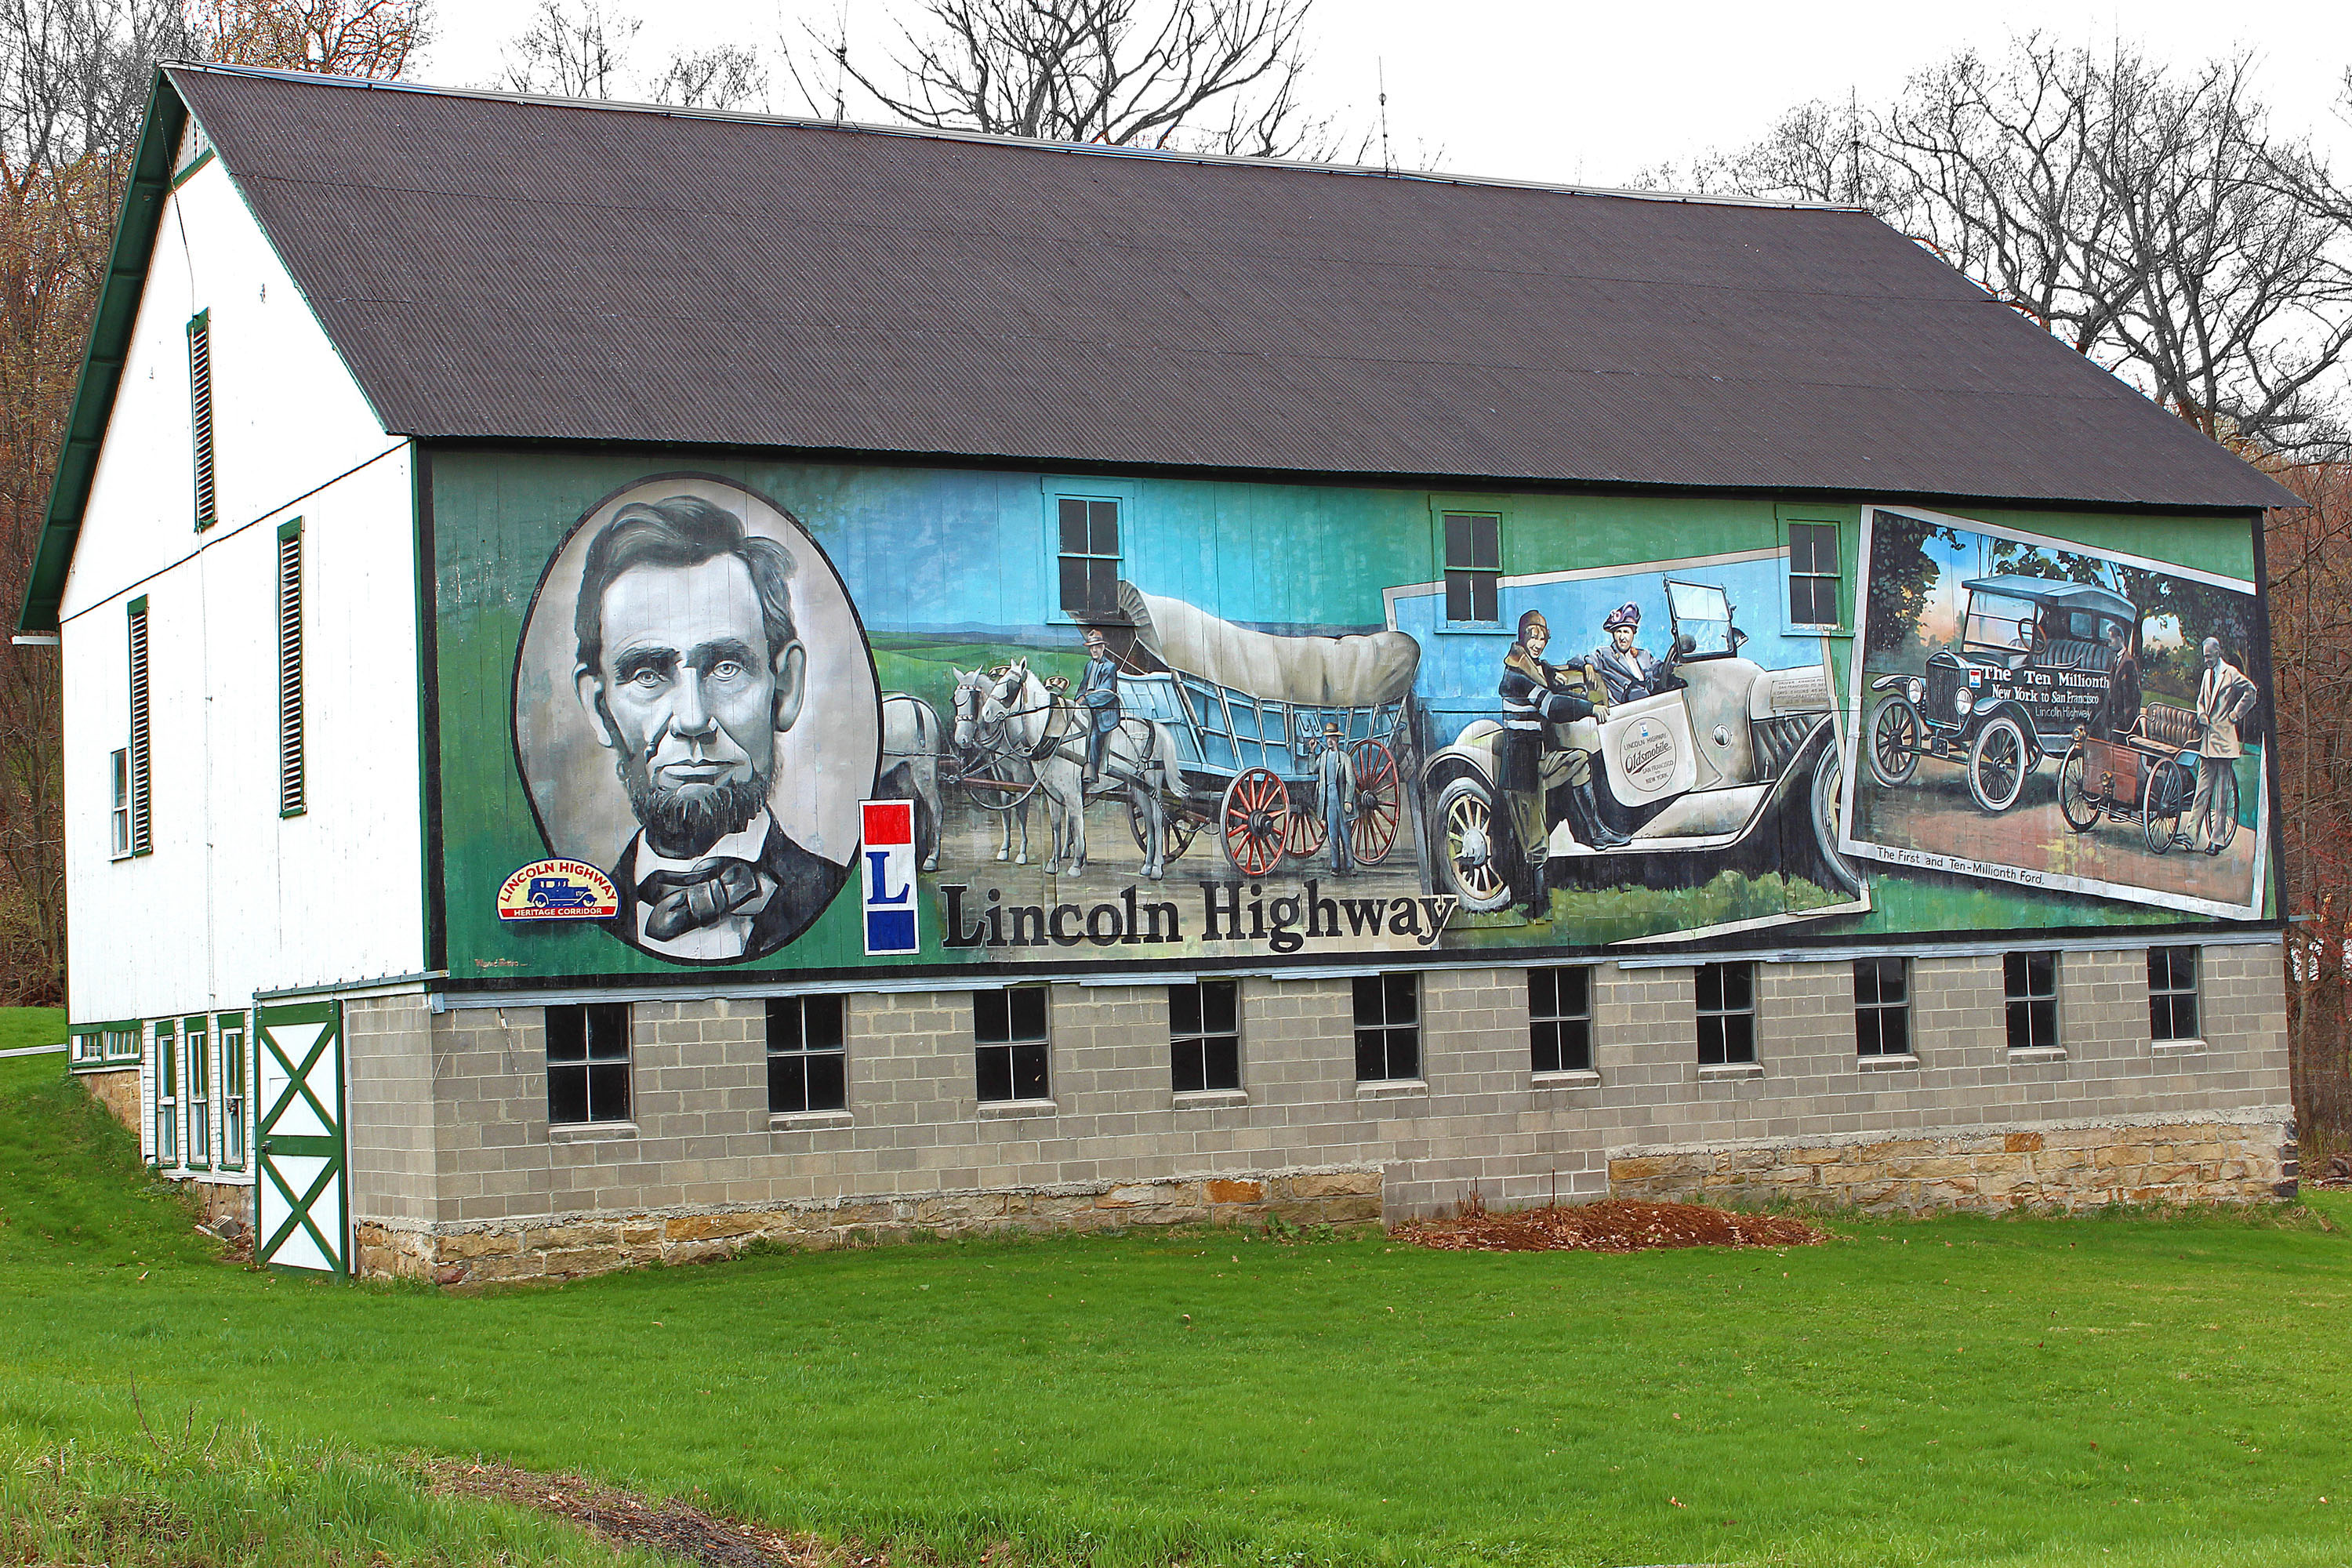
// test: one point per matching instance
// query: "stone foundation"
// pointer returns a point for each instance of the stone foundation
(2062, 1165)
(222, 1200)
(117, 1092)
(573, 1246)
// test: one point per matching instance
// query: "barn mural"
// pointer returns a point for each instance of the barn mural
(1188, 723)
(2041, 714)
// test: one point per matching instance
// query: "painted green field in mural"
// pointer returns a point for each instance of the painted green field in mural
(2114, 1391)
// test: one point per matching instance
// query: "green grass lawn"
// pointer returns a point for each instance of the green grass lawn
(2109, 1391)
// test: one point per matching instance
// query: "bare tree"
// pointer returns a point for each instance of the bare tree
(572, 48)
(1213, 75)
(725, 76)
(2149, 219)
(336, 37)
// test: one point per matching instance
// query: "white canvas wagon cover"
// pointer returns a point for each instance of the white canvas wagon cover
(1356, 671)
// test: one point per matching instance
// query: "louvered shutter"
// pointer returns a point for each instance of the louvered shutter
(200, 401)
(292, 790)
(142, 830)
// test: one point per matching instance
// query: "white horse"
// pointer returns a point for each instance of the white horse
(1003, 772)
(1006, 716)
(911, 740)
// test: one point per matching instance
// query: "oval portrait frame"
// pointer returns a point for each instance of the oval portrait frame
(567, 774)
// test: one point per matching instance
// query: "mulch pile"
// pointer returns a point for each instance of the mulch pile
(674, 1529)
(1610, 1225)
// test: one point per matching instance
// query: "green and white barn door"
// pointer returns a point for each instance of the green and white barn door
(301, 1197)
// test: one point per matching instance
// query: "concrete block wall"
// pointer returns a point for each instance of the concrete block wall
(450, 1131)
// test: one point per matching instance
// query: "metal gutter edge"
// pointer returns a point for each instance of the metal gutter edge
(385, 985)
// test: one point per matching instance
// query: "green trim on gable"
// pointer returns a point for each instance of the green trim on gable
(185, 175)
(110, 327)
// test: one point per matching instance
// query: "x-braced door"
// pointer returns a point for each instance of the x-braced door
(301, 1199)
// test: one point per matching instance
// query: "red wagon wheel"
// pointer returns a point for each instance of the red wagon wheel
(1252, 820)
(1379, 801)
(1304, 837)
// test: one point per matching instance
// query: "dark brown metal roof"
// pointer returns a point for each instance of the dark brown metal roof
(511, 267)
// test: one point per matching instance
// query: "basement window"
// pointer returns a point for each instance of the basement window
(1204, 1035)
(808, 1065)
(1560, 1019)
(1388, 1028)
(1726, 1014)
(2172, 994)
(1882, 1007)
(2030, 991)
(588, 1063)
(1008, 1030)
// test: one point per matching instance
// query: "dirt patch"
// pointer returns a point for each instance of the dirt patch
(1612, 1224)
(674, 1529)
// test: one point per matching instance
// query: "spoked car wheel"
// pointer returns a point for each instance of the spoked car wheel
(1472, 865)
(2171, 784)
(1895, 731)
(1253, 818)
(2080, 809)
(1828, 800)
(1998, 764)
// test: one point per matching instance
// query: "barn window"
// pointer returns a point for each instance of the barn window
(1087, 556)
(167, 1097)
(1473, 568)
(2030, 990)
(1726, 1014)
(1882, 1007)
(200, 409)
(292, 789)
(1008, 1030)
(1387, 1027)
(2172, 992)
(196, 1092)
(588, 1063)
(118, 817)
(807, 1065)
(231, 1031)
(1204, 1035)
(1560, 1019)
(1812, 574)
(142, 823)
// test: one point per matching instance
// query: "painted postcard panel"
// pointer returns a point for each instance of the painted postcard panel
(2031, 712)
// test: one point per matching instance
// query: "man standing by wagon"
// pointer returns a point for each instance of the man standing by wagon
(2224, 696)
(1335, 786)
(1098, 697)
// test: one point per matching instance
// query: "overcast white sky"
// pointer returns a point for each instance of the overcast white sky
(1578, 94)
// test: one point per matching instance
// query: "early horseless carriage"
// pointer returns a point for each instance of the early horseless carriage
(1229, 722)
(2031, 665)
(1710, 766)
(2149, 776)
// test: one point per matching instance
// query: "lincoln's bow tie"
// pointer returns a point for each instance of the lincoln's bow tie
(681, 901)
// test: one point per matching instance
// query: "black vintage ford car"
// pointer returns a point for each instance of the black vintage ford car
(2032, 661)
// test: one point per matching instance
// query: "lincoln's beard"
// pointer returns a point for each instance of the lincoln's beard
(684, 822)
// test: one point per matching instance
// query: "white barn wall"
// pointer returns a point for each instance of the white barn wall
(235, 900)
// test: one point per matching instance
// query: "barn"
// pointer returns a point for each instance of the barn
(657, 680)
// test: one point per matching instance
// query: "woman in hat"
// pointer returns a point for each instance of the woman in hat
(1630, 673)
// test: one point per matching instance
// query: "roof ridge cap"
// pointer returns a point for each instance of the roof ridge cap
(1040, 144)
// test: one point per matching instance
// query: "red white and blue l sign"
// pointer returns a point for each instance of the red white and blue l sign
(886, 878)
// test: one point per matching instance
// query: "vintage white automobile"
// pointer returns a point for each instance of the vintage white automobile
(1736, 766)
